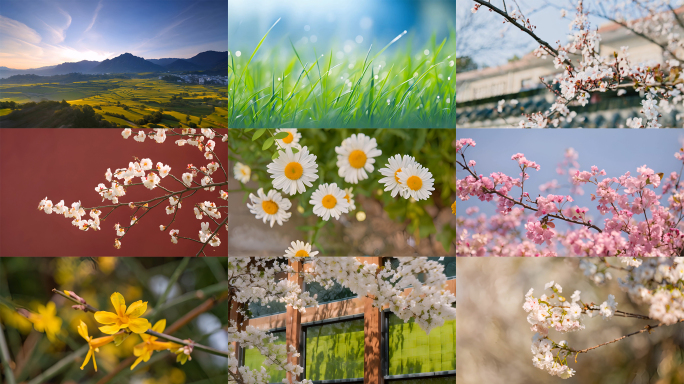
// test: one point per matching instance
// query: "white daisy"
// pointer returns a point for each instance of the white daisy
(299, 249)
(292, 171)
(350, 198)
(242, 173)
(328, 200)
(356, 156)
(396, 164)
(270, 207)
(417, 181)
(292, 139)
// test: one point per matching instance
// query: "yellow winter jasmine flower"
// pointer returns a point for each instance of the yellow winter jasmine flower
(123, 318)
(46, 321)
(94, 344)
(150, 344)
(15, 319)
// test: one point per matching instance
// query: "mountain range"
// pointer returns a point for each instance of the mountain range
(211, 61)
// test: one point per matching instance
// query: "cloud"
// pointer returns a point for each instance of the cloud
(158, 35)
(13, 29)
(67, 54)
(63, 12)
(97, 10)
(59, 34)
(23, 47)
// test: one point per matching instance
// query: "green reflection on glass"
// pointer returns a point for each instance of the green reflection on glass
(254, 359)
(426, 380)
(412, 351)
(335, 351)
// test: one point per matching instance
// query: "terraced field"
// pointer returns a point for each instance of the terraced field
(133, 98)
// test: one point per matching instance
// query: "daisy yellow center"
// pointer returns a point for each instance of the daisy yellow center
(348, 198)
(414, 182)
(395, 175)
(244, 172)
(357, 158)
(302, 252)
(329, 201)
(269, 207)
(294, 170)
(289, 138)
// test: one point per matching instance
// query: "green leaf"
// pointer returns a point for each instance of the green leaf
(267, 143)
(294, 150)
(258, 133)
(275, 155)
(280, 135)
(426, 226)
(446, 236)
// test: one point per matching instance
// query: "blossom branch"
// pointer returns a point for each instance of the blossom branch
(520, 203)
(513, 21)
(646, 328)
(89, 308)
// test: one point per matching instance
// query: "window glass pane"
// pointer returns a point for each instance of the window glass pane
(254, 359)
(256, 309)
(449, 264)
(335, 293)
(412, 351)
(335, 351)
(425, 380)
(272, 308)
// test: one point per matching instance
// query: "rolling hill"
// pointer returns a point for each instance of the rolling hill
(212, 61)
(126, 63)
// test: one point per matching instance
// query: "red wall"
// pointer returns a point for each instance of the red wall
(68, 164)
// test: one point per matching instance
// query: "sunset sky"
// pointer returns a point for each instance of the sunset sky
(40, 33)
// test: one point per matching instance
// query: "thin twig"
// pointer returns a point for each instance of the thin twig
(647, 328)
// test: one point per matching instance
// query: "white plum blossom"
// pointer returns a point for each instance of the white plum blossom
(140, 137)
(146, 164)
(163, 170)
(119, 179)
(151, 180)
(174, 235)
(187, 179)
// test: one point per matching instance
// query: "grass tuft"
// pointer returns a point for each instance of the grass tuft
(412, 89)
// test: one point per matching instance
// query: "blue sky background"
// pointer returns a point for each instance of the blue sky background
(39, 33)
(614, 150)
(543, 14)
(336, 24)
